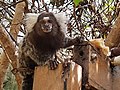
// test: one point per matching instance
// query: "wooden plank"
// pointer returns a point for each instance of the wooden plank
(45, 79)
(100, 74)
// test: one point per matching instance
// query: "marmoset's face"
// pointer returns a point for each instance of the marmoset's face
(46, 24)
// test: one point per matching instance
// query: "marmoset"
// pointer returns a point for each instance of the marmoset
(40, 45)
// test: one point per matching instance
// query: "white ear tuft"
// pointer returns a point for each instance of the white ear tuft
(62, 21)
(30, 20)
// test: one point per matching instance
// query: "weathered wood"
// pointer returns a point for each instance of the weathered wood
(100, 74)
(82, 57)
(45, 79)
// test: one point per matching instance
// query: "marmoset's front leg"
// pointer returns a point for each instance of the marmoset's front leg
(69, 42)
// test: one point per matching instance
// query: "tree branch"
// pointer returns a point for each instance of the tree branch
(113, 38)
(7, 44)
(9, 50)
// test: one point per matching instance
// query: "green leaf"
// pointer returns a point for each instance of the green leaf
(76, 2)
(10, 81)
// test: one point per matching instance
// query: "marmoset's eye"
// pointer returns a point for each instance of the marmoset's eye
(50, 21)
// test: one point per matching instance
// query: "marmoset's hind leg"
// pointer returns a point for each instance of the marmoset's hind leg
(27, 83)
(26, 69)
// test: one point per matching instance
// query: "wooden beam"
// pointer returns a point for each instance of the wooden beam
(45, 79)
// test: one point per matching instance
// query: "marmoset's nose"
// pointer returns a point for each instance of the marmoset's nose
(48, 25)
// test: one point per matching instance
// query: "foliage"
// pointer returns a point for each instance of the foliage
(76, 2)
(9, 82)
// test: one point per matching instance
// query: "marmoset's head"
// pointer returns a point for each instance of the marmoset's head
(46, 24)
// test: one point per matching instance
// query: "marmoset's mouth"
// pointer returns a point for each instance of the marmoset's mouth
(47, 30)
(47, 27)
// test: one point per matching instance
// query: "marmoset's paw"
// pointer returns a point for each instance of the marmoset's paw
(53, 64)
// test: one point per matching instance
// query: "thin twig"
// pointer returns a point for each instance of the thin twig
(46, 9)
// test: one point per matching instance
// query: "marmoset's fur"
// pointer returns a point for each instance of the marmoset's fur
(40, 45)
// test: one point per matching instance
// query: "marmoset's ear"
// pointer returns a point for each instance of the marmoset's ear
(30, 20)
(62, 21)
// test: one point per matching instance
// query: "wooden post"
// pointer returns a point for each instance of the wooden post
(82, 57)
(45, 79)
